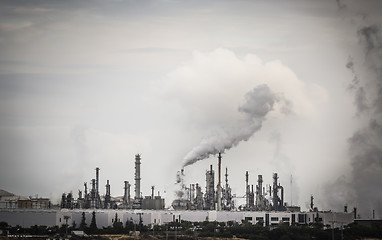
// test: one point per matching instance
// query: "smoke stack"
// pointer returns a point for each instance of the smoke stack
(125, 193)
(107, 188)
(282, 196)
(226, 177)
(246, 190)
(311, 202)
(346, 208)
(97, 180)
(275, 188)
(260, 184)
(355, 213)
(86, 189)
(152, 192)
(137, 176)
(128, 193)
(219, 181)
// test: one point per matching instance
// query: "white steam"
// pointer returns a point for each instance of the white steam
(259, 102)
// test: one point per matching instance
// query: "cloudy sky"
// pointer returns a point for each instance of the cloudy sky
(86, 84)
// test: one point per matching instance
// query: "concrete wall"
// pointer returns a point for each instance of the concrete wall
(104, 218)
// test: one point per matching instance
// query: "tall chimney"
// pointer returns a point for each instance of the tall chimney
(260, 184)
(246, 190)
(226, 178)
(282, 196)
(152, 192)
(311, 203)
(128, 192)
(125, 199)
(275, 188)
(219, 182)
(107, 188)
(86, 189)
(97, 180)
(137, 176)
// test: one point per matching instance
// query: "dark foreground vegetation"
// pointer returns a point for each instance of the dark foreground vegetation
(192, 230)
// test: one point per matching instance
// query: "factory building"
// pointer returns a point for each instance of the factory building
(263, 205)
(11, 201)
(221, 198)
(94, 200)
(105, 217)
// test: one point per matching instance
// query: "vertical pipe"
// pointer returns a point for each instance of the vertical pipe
(226, 178)
(260, 184)
(97, 180)
(311, 203)
(152, 192)
(125, 194)
(137, 176)
(219, 182)
(86, 189)
(128, 193)
(282, 196)
(275, 188)
(246, 190)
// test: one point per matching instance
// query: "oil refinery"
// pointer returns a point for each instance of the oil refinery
(264, 204)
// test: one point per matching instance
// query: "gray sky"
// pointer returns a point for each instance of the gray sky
(87, 84)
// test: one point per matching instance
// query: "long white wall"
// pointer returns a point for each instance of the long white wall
(104, 218)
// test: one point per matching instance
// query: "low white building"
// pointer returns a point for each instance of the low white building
(106, 217)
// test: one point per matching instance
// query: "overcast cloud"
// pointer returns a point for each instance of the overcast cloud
(86, 84)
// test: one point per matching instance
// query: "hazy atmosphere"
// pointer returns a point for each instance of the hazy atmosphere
(293, 87)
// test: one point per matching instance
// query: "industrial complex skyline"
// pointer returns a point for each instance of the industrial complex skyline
(292, 88)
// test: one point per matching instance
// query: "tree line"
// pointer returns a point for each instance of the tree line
(191, 230)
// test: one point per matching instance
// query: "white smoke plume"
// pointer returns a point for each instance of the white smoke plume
(259, 102)
(365, 146)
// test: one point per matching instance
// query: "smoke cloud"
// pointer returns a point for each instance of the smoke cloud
(365, 146)
(360, 99)
(259, 102)
(366, 143)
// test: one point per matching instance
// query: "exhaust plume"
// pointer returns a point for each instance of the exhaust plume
(360, 99)
(365, 146)
(259, 102)
(366, 143)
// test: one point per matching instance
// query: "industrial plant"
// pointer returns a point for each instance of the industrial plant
(94, 200)
(217, 197)
(264, 204)
(220, 197)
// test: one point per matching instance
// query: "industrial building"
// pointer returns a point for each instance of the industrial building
(94, 200)
(263, 205)
(105, 217)
(221, 198)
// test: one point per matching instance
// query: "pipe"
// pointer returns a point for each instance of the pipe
(137, 176)
(128, 193)
(275, 187)
(219, 182)
(125, 193)
(260, 184)
(246, 190)
(97, 180)
(282, 196)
